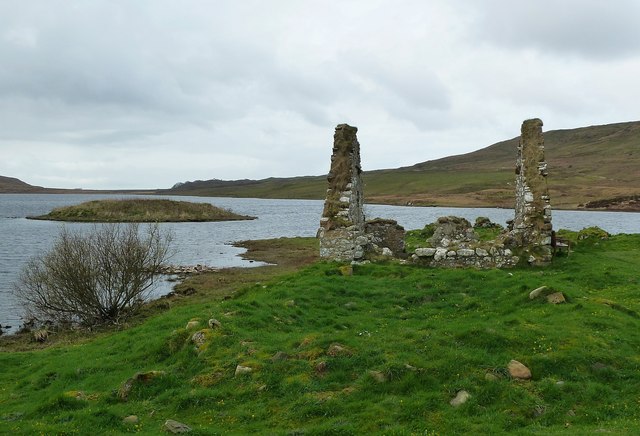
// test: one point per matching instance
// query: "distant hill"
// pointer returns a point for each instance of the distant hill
(585, 165)
(10, 185)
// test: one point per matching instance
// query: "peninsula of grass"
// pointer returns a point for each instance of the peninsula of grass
(141, 210)
(380, 351)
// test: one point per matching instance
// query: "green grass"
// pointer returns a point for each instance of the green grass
(141, 210)
(430, 332)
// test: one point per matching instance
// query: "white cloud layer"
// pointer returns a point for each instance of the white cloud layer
(121, 94)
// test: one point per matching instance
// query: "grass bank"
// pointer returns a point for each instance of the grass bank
(141, 210)
(383, 351)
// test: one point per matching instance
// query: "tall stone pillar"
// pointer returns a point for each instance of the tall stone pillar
(532, 227)
(342, 224)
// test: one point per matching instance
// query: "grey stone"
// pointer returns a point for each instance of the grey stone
(425, 252)
(176, 427)
(240, 370)
(387, 252)
(214, 323)
(460, 398)
(537, 292)
(482, 252)
(465, 252)
(131, 419)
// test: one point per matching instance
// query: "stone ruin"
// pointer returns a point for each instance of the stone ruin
(344, 234)
(531, 229)
(455, 244)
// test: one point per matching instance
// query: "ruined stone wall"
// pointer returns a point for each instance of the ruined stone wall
(532, 227)
(342, 233)
(454, 244)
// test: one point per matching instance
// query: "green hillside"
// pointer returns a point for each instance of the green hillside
(381, 351)
(585, 164)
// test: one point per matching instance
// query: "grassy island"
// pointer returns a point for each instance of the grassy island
(324, 348)
(141, 210)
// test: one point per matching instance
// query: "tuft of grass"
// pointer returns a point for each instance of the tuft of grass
(381, 351)
(141, 210)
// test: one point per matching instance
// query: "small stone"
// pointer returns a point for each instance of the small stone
(482, 252)
(425, 252)
(410, 367)
(192, 324)
(556, 298)
(346, 270)
(290, 303)
(537, 292)
(243, 370)
(518, 370)
(199, 339)
(350, 305)
(460, 398)
(280, 355)
(176, 427)
(378, 376)
(131, 419)
(387, 252)
(338, 350)
(560, 383)
(321, 367)
(491, 377)
(214, 323)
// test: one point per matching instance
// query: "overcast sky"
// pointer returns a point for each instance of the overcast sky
(147, 93)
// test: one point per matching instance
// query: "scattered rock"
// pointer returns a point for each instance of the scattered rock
(290, 303)
(335, 350)
(194, 323)
(350, 305)
(537, 292)
(199, 338)
(387, 252)
(518, 370)
(176, 427)
(491, 377)
(378, 376)
(460, 398)
(560, 383)
(240, 370)
(214, 323)
(410, 367)
(139, 377)
(556, 298)
(346, 270)
(321, 367)
(280, 355)
(131, 419)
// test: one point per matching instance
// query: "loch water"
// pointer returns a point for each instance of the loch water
(210, 243)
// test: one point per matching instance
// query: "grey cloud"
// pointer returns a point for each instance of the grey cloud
(587, 28)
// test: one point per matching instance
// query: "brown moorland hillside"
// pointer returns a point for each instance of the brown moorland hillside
(585, 164)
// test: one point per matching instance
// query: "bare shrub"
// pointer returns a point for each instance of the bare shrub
(95, 278)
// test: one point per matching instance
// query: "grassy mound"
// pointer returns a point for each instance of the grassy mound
(141, 210)
(383, 350)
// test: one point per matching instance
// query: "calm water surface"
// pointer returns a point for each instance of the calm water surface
(209, 243)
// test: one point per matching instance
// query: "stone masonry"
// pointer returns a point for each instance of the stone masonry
(532, 229)
(342, 227)
(344, 235)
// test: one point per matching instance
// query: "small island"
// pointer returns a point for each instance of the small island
(141, 210)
